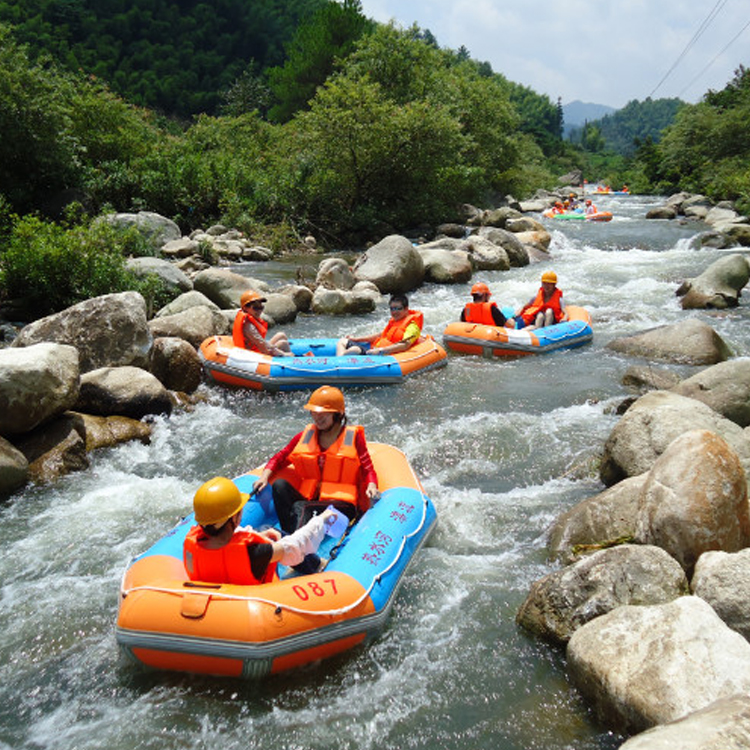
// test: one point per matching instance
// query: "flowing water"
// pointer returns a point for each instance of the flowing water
(502, 448)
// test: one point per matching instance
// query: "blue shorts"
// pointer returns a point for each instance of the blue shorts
(365, 346)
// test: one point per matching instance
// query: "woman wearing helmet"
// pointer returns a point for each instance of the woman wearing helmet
(218, 550)
(481, 310)
(249, 330)
(331, 463)
(546, 308)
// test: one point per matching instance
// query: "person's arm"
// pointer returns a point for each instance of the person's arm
(497, 316)
(463, 315)
(276, 463)
(411, 334)
(250, 332)
(368, 469)
(526, 306)
(291, 550)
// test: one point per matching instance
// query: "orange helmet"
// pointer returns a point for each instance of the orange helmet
(250, 296)
(481, 288)
(326, 398)
(549, 277)
(217, 500)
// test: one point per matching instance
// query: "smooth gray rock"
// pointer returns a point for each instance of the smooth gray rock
(107, 331)
(642, 666)
(176, 364)
(719, 286)
(394, 265)
(194, 325)
(445, 266)
(125, 391)
(14, 468)
(224, 288)
(559, 603)
(334, 273)
(37, 383)
(185, 302)
(175, 281)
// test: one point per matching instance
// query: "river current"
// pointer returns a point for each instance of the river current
(502, 448)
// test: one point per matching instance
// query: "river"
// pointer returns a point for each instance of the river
(502, 448)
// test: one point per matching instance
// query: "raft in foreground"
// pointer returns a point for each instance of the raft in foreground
(574, 216)
(475, 338)
(229, 365)
(167, 622)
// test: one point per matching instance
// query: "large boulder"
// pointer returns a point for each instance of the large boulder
(125, 391)
(662, 212)
(719, 217)
(174, 280)
(55, 449)
(224, 288)
(723, 725)
(723, 580)
(484, 254)
(194, 325)
(695, 499)
(155, 228)
(649, 426)
(597, 521)
(445, 266)
(719, 286)
(36, 383)
(394, 265)
(689, 342)
(644, 378)
(499, 217)
(559, 603)
(108, 331)
(14, 468)
(540, 240)
(107, 432)
(280, 309)
(739, 234)
(517, 254)
(363, 298)
(724, 387)
(185, 302)
(334, 273)
(176, 364)
(641, 666)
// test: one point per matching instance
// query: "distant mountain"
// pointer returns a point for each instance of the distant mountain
(577, 113)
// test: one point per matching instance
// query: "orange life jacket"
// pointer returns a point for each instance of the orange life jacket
(238, 337)
(394, 331)
(339, 476)
(539, 305)
(480, 312)
(228, 564)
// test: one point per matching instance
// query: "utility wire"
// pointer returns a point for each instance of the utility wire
(704, 25)
(726, 47)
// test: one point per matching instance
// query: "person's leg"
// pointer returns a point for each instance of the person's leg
(549, 317)
(281, 341)
(290, 508)
(344, 348)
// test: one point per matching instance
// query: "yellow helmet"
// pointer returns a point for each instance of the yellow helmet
(326, 398)
(217, 500)
(549, 277)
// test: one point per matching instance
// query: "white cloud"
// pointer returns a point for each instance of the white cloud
(604, 51)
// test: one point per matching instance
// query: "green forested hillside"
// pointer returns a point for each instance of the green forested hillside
(620, 131)
(176, 56)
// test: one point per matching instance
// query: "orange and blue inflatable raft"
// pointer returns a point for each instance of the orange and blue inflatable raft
(313, 365)
(494, 341)
(168, 622)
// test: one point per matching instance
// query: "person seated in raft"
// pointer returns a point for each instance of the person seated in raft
(249, 330)
(331, 466)
(401, 332)
(546, 308)
(481, 310)
(590, 208)
(218, 550)
(558, 208)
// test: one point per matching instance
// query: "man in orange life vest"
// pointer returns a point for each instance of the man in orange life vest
(401, 332)
(218, 550)
(249, 330)
(331, 466)
(481, 310)
(546, 308)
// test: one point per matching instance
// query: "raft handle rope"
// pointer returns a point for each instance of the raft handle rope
(298, 610)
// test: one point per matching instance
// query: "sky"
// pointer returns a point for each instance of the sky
(596, 51)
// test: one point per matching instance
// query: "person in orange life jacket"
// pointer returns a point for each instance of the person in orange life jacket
(218, 550)
(481, 310)
(249, 330)
(546, 308)
(332, 466)
(590, 208)
(402, 331)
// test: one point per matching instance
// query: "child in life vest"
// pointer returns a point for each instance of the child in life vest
(481, 310)
(401, 332)
(249, 329)
(546, 308)
(218, 550)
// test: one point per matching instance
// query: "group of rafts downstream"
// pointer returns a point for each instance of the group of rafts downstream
(168, 622)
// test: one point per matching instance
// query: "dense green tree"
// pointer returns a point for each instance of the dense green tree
(330, 34)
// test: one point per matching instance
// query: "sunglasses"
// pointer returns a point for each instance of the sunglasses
(255, 306)
(396, 308)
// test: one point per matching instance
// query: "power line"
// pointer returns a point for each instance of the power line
(704, 25)
(726, 47)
